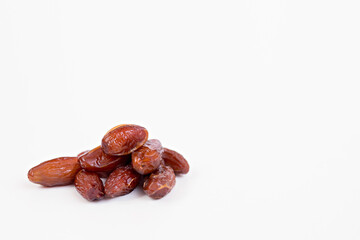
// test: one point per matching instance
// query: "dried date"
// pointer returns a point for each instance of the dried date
(148, 157)
(160, 182)
(55, 172)
(176, 161)
(121, 181)
(89, 185)
(124, 139)
(98, 161)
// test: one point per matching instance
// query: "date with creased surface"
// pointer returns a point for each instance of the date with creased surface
(160, 182)
(148, 157)
(98, 161)
(124, 139)
(89, 185)
(176, 161)
(55, 172)
(121, 181)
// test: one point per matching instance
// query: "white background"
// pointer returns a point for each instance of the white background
(261, 97)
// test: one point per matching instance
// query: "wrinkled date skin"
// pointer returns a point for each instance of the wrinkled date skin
(98, 161)
(55, 172)
(176, 161)
(148, 157)
(89, 185)
(160, 182)
(124, 139)
(121, 181)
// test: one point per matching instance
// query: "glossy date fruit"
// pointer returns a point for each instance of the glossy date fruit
(55, 172)
(160, 182)
(124, 139)
(121, 181)
(98, 161)
(89, 185)
(176, 161)
(148, 157)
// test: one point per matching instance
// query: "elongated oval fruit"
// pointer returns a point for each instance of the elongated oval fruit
(160, 182)
(96, 160)
(124, 139)
(121, 181)
(176, 161)
(55, 172)
(148, 157)
(89, 185)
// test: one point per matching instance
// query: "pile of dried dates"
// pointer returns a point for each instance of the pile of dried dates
(126, 158)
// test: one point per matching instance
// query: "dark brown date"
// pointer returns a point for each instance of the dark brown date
(89, 185)
(160, 182)
(55, 172)
(148, 157)
(124, 139)
(121, 181)
(176, 161)
(98, 161)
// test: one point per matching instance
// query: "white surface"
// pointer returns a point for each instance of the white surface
(262, 98)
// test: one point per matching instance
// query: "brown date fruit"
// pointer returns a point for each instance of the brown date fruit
(96, 160)
(121, 181)
(55, 172)
(176, 161)
(148, 157)
(124, 139)
(89, 185)
(160, 182)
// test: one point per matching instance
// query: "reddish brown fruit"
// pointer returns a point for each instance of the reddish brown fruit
(160, 182)
(98, 161)
(121, 181)
(176, 161)
(148, 157)
(124, 139)
(55, 172)
(89, 185)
